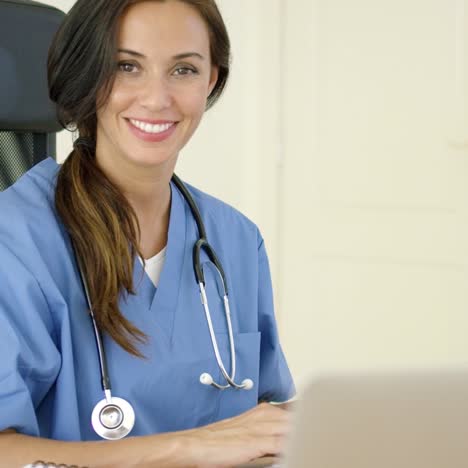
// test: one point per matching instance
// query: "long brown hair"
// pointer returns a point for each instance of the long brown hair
(102, 224)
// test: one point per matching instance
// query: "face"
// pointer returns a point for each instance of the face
(163, 78)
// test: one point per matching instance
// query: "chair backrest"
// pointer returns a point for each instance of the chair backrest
(28, 121)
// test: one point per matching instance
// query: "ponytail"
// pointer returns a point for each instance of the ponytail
(105, 232)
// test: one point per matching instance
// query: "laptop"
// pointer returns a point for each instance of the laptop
(398, 419)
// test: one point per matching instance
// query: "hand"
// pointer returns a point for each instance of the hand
(258, 432)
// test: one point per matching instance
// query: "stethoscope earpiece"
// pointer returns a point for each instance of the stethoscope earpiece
(206, 379)
(247, 384)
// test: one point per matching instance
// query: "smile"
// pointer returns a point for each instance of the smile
(153, 129)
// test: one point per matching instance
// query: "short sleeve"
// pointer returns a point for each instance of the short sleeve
(29, 360)
(276, 383)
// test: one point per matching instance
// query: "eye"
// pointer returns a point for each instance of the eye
(183, 71)
(127, 67)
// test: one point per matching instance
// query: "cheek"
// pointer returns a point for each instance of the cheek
(118, 100)
(194, 102)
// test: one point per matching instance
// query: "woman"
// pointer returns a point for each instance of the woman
(134, 78)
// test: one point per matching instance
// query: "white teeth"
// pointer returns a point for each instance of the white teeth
(149, 128)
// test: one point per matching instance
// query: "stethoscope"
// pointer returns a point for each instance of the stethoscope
(113, 418)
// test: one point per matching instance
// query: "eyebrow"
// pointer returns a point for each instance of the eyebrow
(176, 57)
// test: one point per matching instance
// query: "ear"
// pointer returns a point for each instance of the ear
(213, 78)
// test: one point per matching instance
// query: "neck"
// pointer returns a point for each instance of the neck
(148, 191)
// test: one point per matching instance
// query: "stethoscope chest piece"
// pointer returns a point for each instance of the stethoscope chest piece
(113, 418)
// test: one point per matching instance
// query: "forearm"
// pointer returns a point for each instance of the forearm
(165, 450)
(230, 442)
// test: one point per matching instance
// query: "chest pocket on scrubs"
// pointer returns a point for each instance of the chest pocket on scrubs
(233, 401)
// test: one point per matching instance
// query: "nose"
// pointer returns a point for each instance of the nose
(155, 94)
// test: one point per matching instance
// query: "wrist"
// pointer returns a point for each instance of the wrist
(170, 450)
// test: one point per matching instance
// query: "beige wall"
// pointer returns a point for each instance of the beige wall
(342, 134)
(380, 276)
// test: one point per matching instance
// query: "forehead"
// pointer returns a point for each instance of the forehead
(154, 27)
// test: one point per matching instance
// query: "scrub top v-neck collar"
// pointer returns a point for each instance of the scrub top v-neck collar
(162, 301)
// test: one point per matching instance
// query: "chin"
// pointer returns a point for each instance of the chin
(153, 159)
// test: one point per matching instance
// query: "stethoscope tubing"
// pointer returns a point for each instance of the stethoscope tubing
(105, 380)
(202, 243)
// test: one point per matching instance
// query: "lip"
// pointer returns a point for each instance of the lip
(152, 122)
(152, 137)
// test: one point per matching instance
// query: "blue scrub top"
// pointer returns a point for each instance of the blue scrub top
(49, 369)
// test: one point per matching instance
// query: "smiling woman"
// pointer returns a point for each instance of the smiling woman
(119, 236)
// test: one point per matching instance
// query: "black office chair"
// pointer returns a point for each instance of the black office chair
(28, 121)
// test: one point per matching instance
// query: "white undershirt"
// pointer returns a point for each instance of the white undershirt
(154, 266)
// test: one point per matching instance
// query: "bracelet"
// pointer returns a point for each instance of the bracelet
(42, 464)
